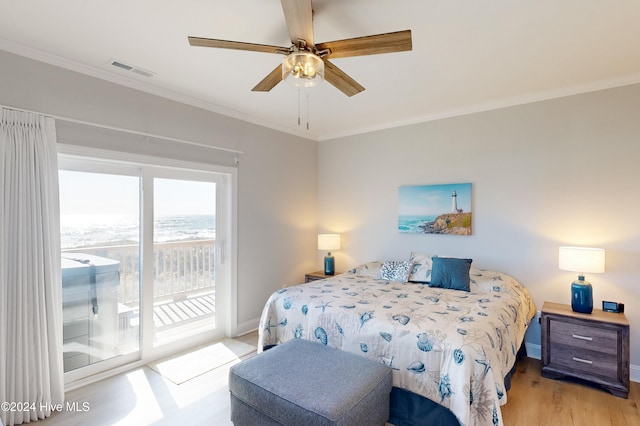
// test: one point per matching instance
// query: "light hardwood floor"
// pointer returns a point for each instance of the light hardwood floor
(143, 397)
(534, 400)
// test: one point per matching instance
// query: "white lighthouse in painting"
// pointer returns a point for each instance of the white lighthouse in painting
(454, 203)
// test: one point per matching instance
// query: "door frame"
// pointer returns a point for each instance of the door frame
(226, 196)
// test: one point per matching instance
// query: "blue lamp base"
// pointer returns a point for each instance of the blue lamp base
(581, 296)
(329, 264)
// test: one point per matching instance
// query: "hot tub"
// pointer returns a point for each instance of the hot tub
(89, 308)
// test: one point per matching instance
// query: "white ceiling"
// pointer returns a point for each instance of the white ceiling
(468, 55)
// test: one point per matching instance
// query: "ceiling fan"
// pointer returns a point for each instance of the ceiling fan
(306, 63)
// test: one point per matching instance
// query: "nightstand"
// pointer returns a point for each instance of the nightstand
(318, 275)
(593, 347)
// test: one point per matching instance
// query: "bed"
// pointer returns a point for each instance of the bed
(450, 346)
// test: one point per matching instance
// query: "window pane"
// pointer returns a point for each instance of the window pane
(100, 230)
(184, 258)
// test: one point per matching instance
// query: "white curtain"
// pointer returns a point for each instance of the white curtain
(31, 369)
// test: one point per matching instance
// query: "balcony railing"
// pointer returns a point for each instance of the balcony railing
(180, 269)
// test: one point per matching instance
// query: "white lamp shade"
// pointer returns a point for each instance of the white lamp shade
(581, 259)
(328, 242)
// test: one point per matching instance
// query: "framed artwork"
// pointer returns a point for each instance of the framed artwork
(435, 209)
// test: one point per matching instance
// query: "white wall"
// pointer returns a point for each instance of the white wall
(277, 177)
(559, 172)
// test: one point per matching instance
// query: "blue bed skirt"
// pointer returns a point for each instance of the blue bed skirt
(411, 409)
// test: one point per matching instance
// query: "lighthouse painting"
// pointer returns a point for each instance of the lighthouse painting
(435, 209)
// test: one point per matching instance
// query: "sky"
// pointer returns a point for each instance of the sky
(432, 200)
(179, 197)
(95, 193)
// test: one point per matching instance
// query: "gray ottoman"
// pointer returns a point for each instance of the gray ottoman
(306, 383)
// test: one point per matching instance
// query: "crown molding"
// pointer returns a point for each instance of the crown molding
(496, 104)
(101, 74)
(68, 64)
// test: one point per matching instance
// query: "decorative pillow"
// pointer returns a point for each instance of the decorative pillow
(395, 271)
(451, 273)
(421, 270)
(369, 269)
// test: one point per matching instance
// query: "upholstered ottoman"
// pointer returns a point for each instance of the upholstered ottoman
(306, 383)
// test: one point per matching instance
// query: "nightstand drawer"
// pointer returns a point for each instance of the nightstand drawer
(591, 362)
(588, 337)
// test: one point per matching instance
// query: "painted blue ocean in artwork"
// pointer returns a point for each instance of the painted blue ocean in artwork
(420, 205)
(411, 224)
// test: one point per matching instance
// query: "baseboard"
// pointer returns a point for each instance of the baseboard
(535, 351)
(247, 327)
(634, 373)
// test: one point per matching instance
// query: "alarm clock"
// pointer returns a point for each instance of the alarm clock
(612, 306)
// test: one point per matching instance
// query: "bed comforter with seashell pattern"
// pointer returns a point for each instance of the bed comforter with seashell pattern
(453, 347)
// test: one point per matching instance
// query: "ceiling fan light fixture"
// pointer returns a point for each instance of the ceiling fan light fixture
(303, 69)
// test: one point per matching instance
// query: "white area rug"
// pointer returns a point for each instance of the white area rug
(182, 368)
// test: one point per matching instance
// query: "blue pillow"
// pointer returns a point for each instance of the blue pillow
(451, 273)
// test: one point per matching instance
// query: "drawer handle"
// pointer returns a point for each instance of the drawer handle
(577, 336)
(584, 361)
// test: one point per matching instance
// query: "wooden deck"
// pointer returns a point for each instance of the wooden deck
(169, 314)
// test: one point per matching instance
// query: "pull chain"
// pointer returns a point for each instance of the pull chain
(299, 109)
(298, 106)
(307, 111)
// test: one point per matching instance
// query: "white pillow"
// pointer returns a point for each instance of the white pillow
(393, 270)
(421, 270)
(369, 269)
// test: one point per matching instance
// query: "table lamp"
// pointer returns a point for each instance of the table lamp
(329, 242)
(581, 260)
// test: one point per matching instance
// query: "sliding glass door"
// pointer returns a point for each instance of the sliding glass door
(184, 254)
(100, 230)
(143, 271)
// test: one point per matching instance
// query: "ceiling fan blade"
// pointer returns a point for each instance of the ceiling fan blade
(299, 17)
(270, 81)
(399, 41)
(341, 80)
(236, 45)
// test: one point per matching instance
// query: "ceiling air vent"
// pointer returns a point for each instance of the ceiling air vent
(132, 68)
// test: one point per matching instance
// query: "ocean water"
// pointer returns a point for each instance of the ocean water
(411, 224)
(79, 231)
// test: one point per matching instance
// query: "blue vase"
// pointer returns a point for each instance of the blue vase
(581, 296)
(329, 264)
